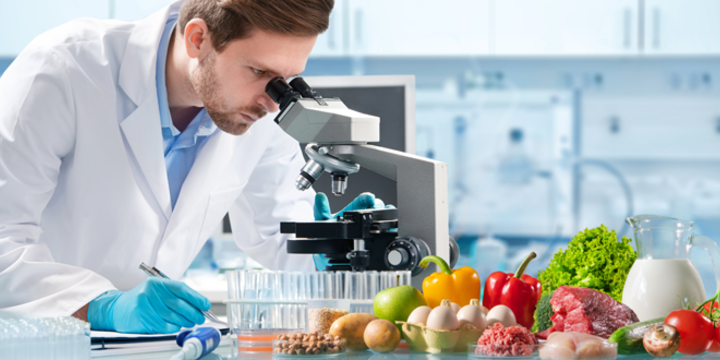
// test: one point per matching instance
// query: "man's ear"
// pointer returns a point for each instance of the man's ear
(197, 39)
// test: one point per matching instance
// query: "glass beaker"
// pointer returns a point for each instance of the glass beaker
(663, 278)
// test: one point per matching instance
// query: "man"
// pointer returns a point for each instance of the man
(123, 143)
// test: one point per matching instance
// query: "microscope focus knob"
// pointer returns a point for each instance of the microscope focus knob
(397, 256)
(405, 253)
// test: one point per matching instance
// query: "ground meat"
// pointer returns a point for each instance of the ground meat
(506, 341)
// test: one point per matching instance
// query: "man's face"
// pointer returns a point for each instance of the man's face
(231, 84)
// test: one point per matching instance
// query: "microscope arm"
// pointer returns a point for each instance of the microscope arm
(422, 191)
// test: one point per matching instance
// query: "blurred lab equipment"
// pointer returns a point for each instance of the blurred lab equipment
(154, 272)
(489, 255)
(204, 262)
(196, 343)
(337, 140)
(46, 338)
(627, 191)
(515, 166)
(663, 277)
(517, 170)
(507, 158)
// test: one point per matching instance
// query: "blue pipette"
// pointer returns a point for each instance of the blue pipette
(196, 343)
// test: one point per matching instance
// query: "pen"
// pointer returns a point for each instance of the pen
(154, 272)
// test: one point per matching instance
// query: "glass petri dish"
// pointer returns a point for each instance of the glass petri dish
(259, 340)
(281, 347)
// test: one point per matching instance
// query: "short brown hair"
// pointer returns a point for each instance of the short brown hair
(229, 20)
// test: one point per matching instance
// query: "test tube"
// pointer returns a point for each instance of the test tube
(331, 290)
(387, 280)
(372, 284)
(354, 285)
(267, 289)
(233, 286)
(404, 278)
(314, 280)
(299, 282)
(339, 282)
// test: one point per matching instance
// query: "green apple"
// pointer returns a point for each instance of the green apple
(396, 303)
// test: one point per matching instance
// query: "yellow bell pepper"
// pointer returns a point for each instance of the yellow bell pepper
(459, 286)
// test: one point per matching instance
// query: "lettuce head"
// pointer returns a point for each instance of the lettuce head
(594, 259)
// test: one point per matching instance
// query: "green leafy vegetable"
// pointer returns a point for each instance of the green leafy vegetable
(543, 312)
(594, 259)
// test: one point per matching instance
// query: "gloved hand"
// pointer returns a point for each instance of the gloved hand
(363, 201)
(157, 305)
(321, 211)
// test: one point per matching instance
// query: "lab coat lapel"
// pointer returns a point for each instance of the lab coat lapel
(187, 217)
(143, 134)
(142, 126)
(137, 70)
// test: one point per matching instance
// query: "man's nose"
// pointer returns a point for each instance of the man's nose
(267, 103)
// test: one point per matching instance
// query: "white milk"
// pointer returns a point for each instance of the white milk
(654, 288)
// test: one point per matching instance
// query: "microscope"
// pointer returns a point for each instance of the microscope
(337, 143)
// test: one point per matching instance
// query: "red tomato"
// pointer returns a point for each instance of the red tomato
(715, 347)
(696, 331)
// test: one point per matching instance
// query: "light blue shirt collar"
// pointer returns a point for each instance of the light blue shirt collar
(206, 126)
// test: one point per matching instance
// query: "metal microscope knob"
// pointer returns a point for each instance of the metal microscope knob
(405, 253)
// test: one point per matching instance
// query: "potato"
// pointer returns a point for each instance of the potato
(382, 336)
(351, 327)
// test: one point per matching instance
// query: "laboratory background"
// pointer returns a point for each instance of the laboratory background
(552, 115)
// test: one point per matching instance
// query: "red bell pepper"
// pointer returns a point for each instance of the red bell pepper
(517, 291)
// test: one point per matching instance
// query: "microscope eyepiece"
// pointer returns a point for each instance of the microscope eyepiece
(281, 92)
(303, 88)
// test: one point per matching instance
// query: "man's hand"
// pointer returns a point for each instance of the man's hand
(322, 212)
(157, 305)
(363, 201)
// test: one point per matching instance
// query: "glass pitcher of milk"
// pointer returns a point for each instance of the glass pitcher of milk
(663, 277)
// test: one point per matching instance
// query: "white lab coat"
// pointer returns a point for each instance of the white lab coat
(84, 195)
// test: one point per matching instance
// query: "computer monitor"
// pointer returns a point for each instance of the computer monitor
(390, 97)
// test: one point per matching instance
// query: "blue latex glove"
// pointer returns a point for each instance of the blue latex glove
(157, 305)
(363, 201)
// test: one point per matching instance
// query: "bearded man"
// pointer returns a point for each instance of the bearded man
(123, 143)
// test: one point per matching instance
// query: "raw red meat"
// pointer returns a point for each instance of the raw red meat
(506, 341)
(587, 311)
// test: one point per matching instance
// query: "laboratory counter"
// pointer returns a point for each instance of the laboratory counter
(224, 353)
